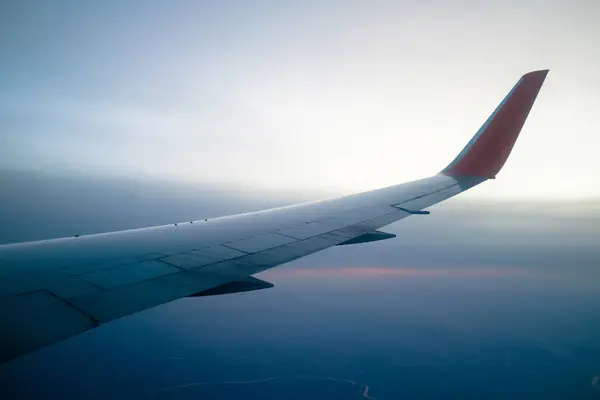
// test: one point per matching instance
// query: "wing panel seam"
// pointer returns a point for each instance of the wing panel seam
(234, 248)
(425, 195)
(94, 320)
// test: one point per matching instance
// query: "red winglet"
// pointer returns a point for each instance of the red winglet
(487, 152)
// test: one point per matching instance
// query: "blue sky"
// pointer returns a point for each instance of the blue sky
(335, 96)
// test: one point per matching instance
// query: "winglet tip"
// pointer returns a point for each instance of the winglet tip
(487, 152)
(539, 74)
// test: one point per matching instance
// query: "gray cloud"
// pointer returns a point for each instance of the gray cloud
(44, 205)
(461, 232)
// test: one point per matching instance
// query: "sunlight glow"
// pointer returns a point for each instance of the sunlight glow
(302, 97)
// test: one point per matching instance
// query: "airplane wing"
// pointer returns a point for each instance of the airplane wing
(54, 289)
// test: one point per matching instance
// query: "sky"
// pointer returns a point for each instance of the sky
(117, 115)
(328, 97)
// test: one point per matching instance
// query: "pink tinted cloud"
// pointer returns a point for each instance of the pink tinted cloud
(367, 272)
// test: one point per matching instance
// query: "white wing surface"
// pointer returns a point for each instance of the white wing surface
(54, 289)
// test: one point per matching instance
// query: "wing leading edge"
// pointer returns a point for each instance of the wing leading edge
(54, 289)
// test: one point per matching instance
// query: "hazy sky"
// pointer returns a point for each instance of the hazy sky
(339, 95)
(313, 97)
(556, 235)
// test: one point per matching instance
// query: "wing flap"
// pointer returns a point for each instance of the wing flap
(201, 257)
(118, 276)
(36, 319)
(107, 305)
